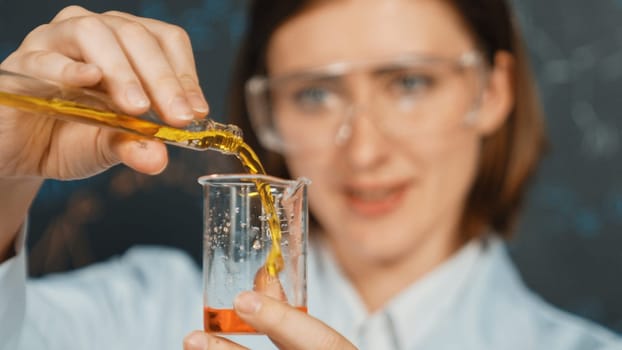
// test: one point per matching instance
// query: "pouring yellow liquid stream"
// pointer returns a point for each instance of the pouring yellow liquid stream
(217, 136)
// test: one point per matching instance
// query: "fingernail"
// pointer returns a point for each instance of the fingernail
(197, 341)
(247, 302)
(198, 103)
(180, 109)
(136, 97)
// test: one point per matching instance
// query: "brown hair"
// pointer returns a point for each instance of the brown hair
(509, 156)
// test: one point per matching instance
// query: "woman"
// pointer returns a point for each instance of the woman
(416, 121)
(419, 125)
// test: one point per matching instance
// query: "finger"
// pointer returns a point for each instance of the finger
(199, 340)
(143, 155)
(154, 69)
(77, 151)
(70, 12)
(289, 328)
(53, 66)
(88, 39)
(269, 285)
(176, 44)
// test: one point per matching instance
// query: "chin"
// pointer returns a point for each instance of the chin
(383, 256)
(382, 244)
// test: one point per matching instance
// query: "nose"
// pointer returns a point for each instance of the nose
(365, 147)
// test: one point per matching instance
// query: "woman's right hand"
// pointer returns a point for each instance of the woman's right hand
(140, 63)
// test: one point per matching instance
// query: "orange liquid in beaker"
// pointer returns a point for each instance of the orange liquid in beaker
(227, 321)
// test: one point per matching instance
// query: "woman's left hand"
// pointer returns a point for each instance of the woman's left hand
(288, 328)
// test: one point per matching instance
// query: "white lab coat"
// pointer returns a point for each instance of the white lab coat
(150, 298)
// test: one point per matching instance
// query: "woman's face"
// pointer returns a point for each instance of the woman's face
(377, 196)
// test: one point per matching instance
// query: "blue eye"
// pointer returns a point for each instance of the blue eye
(311, 97)
(411, 83)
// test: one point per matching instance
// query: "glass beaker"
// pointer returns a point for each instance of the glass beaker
(237, 242)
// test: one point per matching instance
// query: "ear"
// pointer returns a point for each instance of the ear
(498, 99)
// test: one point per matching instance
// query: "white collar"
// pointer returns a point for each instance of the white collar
(412, 313)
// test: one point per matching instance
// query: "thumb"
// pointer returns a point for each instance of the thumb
(196, 340)
(199, 340)
(288, 327)
(141, 154)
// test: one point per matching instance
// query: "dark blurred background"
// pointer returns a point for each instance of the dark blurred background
(569, 244)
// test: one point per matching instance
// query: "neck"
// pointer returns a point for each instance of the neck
(378, 281)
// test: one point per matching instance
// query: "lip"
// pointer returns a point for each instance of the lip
(375, 200)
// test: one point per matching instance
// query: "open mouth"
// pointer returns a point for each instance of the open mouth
(376, 200)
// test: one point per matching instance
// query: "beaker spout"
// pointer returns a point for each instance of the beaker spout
(295, 186)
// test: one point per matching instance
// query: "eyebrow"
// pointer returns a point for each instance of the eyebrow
(316, 77)
(388, 68)
(334, 73)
